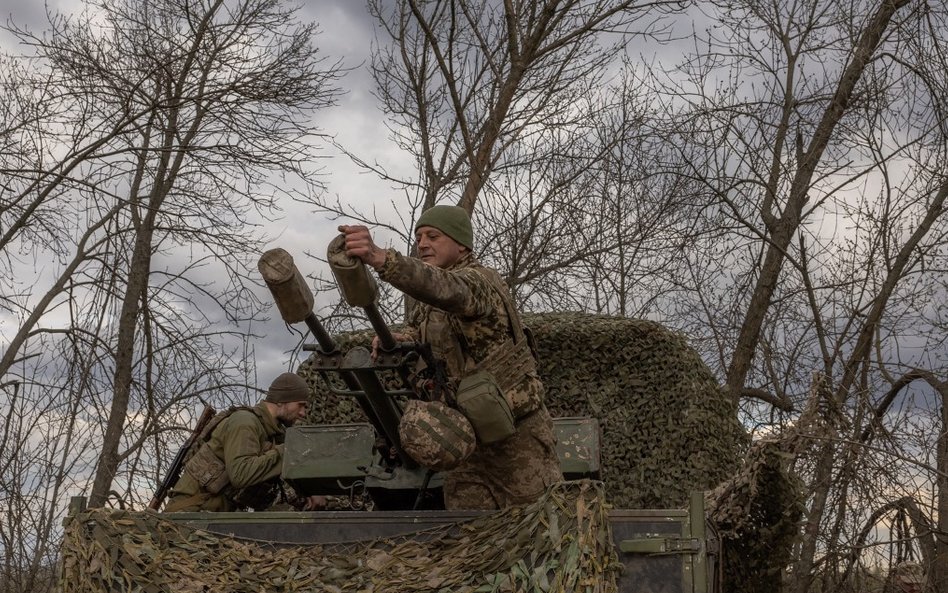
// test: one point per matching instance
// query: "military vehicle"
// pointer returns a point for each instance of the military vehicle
(655, 550)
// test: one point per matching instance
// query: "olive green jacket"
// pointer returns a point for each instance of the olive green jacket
(250, 445)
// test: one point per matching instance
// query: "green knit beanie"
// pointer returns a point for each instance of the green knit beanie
(453, 221)
(288, 387)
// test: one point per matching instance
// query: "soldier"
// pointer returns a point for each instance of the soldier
(467, 316)
(237, 461)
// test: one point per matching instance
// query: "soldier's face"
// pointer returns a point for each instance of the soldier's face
(436, 248)
(292, 412)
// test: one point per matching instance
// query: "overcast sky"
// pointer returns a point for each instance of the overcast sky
(346, 34)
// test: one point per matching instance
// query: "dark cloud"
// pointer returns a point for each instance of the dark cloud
(32, 14)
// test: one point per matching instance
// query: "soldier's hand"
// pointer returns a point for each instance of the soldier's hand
(359, 244)
(314, 503)
(375, 343)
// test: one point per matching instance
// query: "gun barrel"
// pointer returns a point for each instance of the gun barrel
(360, 360)
(170, 479)
(356, 370)
(386, 339)
(319, 332)
(328, 348)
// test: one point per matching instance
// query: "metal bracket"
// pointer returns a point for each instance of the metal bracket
(656, 545)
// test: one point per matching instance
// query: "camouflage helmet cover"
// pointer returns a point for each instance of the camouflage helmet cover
(436, 435)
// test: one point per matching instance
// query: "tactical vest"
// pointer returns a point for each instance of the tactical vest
(509, 364)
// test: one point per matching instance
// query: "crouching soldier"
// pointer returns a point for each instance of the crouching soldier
(236, 462)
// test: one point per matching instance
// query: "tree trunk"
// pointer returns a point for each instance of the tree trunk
(175, 144)
(938, 574)
(124, 362)
(819, 487)
(789, 221)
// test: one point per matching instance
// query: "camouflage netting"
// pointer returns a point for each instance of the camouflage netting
(560, 543)
(756, 513)
(667, 428)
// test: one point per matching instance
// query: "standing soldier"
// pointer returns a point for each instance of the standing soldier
(237, 461)
(467, 316)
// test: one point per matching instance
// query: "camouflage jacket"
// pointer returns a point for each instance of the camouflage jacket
(463, 316)
(249, 442)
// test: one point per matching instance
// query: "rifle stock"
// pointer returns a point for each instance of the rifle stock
(174, 472)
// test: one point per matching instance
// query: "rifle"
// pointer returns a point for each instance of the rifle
(174, 472)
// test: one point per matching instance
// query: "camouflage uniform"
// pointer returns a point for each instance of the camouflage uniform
(249, 442)
(463, 317)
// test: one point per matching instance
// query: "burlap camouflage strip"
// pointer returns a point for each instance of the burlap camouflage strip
(561, 543)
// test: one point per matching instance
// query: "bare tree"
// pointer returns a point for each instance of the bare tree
(839, 172)
(139, 142)
(593, 220)
(806, 143)
(210, 93)
(462, 81)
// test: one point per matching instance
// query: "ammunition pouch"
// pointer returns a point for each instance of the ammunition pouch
(510, 365)
(208, 470)
(482, 402)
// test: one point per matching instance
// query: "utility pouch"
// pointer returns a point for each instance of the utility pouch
(509, 365)
(482, 402)
(207, 470)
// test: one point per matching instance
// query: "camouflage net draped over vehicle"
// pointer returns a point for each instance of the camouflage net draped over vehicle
(667, 427)
(561, 543)
(757, 513)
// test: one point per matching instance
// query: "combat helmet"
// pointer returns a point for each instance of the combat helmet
(436, 435)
